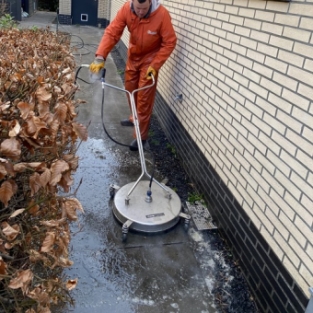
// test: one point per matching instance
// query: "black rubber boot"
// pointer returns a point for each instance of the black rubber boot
(127, 123)
(134, 145)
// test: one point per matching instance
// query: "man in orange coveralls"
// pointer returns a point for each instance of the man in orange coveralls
(152, 40)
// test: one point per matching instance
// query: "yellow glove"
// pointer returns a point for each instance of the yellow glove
(151, 71)
(96, 65)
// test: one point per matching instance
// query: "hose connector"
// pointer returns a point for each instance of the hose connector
(148, 196)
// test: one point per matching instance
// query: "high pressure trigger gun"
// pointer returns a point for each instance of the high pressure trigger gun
(93, 77)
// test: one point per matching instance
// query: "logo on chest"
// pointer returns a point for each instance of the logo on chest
(150, 32)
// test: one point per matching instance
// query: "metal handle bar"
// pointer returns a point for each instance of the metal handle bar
(138, 135)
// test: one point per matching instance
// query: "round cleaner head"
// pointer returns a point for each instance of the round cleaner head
(158, 214)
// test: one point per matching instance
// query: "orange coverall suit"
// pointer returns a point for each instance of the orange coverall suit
(152, 40)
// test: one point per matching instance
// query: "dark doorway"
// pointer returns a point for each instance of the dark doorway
(25, 6)
(85, 12)
(29, 6)
(48, 5)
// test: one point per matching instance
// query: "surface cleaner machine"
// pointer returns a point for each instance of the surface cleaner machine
(145, 205)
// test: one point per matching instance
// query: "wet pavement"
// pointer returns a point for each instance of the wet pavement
(148, 273)
(173, 271)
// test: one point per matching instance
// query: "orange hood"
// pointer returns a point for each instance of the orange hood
(152, 38)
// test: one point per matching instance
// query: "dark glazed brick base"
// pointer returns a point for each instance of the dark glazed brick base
(65, 19)
(102, 22)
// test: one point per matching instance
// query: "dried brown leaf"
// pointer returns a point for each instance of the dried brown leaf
(66, 181)
(6, 192)
(15, 128)
(40, 295)
(16, 77)
(30, 128)
(64, 240)
(4, 106)
(40, 124)
(52, 189)
(9, 167)
(10, 232)
(63, 247)
(57, 169)
(21, 280)
(35, 256)
(28, 238)
(11, 148)
(69, 206)
(16, 213)
(48, 243)
(67, 132)
(3, 268)
(47, 118)
(60, 112)
(40, 79)
(54, 127)
(43, 95)
(71, 283)
(14, 185)
(66, 70)
(45, 177)
(65, 262)
(2, 248)
(21, 167)
(72, 160)
(33, 126)
(52, 283)
(80, 130)
(34, 209)
(34, 183)
(8, 246)
(25, 109)
(71, 109)
(53, 223)
(67, 88)
(3, 171)
(69, 77)
(57, 89)
(43, 108)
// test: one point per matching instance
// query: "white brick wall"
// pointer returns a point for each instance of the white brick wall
(249, 66)
(65, 7)
(104, 9)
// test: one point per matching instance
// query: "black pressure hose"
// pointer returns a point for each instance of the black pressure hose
(102, 104)
(76, 77)
(102, 117)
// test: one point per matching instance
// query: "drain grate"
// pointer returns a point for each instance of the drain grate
(200, 216)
